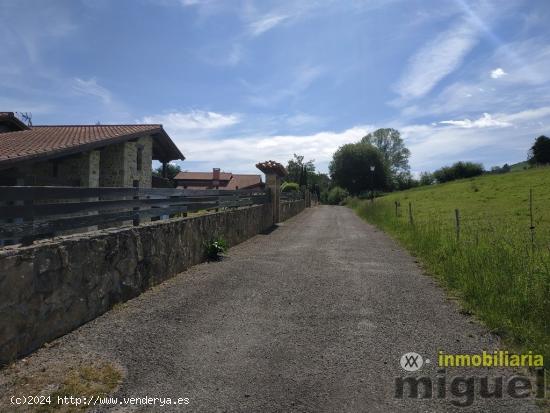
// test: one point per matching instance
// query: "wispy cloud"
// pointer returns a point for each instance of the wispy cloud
(527, 115)
(193, 121)
(436, 60)
(92, 88)
(270, 94)
(29, 34)
(525, 84)
(498, 73)
(266, 23)
(440, 143)
(486, 121)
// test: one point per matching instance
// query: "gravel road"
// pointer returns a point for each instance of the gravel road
(312, 317)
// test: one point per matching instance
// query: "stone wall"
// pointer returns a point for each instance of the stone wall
(118, 163)
(52, 287)
(76, 170)
(291, 208)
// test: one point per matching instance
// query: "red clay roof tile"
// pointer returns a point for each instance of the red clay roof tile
(202, 176)
(43, 140)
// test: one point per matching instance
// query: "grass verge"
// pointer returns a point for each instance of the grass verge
(492, 266)
(53, 380)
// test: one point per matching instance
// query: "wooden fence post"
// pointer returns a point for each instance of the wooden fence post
(411, 220)
(532, 227)
(457, 219)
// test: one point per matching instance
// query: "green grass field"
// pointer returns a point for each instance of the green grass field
(491, 263)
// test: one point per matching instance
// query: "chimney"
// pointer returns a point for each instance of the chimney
(216, 174)
(216, 178)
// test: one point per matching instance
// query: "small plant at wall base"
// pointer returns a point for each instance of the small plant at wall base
(214, 249)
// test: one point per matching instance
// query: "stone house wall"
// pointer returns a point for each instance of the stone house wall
(111, 166)
(118, 163)
(114, 165)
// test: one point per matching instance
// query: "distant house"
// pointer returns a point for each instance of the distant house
(81, 155)
(217, 180)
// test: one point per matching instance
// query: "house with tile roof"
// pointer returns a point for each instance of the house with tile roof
(81, 155)
(218, 180)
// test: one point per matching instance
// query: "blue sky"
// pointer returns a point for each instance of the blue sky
(241, 81)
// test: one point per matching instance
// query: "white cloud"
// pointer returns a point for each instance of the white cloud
(92, 88)
(486, 121)
(436, 60)
(528, 115)
(193, 121)
(526, 60)
(435, 145)
(266, 23)
(319, 146)
(204, 139)
(498, 73)
(242, 153)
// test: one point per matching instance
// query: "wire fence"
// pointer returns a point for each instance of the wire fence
(530, 224)
(497, 260)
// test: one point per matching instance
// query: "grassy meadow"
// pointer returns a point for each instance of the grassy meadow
(494, 263)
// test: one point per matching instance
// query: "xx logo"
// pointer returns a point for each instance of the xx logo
(411, 361)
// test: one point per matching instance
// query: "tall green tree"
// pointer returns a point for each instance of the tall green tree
(393, 149)
(300, 171)
(351, 165)
(540, 151)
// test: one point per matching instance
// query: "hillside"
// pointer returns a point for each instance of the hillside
(491, 261)
(520, 166)
(488, 197)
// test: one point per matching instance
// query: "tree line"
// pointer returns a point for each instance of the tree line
(378, 163)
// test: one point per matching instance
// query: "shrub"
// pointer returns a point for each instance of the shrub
(289, 187)
(214, 248)
(540, 151)
(501, 170)
(336, 195)
(426, 178)
(458, 170)
(404, 181)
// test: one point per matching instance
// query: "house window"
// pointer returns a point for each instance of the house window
(139, 158)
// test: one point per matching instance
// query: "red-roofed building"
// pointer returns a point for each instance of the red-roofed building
(217, 180)
(81, 155)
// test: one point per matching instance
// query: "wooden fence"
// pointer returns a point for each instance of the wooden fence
(292, 196)
(37, 212)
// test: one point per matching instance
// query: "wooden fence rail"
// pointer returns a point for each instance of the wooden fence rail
(291, 196)
(31, 212)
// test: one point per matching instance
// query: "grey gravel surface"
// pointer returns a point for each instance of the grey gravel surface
(312, 317)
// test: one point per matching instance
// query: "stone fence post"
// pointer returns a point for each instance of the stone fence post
(273, 171)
